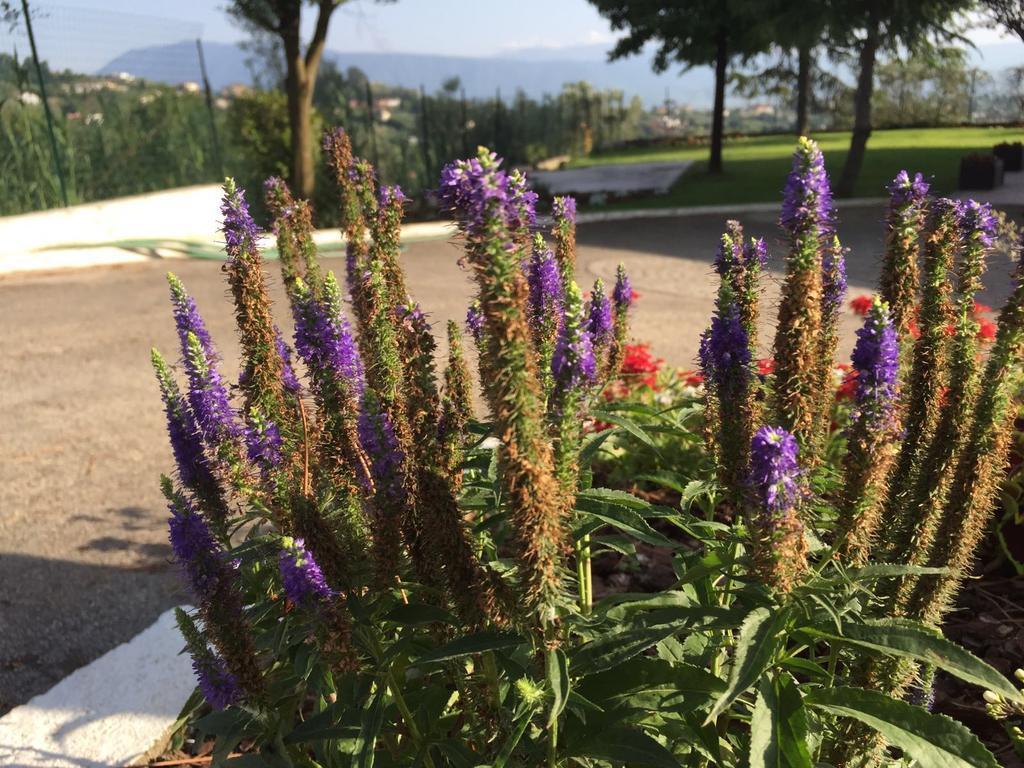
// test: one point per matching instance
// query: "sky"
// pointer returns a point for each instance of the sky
(86, 34)
(454, 27)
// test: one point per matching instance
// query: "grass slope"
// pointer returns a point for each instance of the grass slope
(756, 166)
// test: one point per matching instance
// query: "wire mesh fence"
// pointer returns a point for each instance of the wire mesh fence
(75, 119)
(118, 104)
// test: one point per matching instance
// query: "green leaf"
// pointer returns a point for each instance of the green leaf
(888, 570)
(778, 726)
(694, 490)
(372, 722)
(756, 644)
(593, 445)
(651, 675)
(558, 678)
(928, 646)
(713, 562)
(323, 725)
(666, 479)
(626, 520)
(935, 741)
(629, 746)
(470, 644)
(629, 426)
(415, 614)
(610, 650)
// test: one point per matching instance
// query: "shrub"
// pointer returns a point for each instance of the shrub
(380, 579)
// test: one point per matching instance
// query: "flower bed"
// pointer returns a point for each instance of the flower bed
(382, 579)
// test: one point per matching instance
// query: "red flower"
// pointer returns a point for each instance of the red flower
(861, 305)
(765, 366)
(980, 309)
(987, 330)
(913, 328)
(692, 378)
(639, 369)
(640, 366)
(848, 388)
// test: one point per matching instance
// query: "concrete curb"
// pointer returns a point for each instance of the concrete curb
(706, 210)
(107, 714)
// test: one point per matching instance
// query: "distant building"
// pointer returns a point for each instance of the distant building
(30, 99)
(190, 86)
(235, 90)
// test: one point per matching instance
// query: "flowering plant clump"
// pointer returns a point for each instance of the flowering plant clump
(381, 579)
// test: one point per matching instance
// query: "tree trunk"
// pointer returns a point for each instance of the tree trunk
(803, 89)
(861, 108)
(718, 116)
(299, 92)
(303, 175)
(300, 81)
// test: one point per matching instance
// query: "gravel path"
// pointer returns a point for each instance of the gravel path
(83, 552)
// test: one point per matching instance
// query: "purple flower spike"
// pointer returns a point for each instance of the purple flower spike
(377, 437)
(573, 363)
(833, 265)
(263, 443)
(704, 357)
(728, 347)
(475, 321)
(755, 252)
(564, 209)
(300, 575)
(522, 203)
(600, 325)
(208, 396)
(240, 231)
(728, 255)
(876, 360)
(905, 191)
(807, 200)
(774, 470)
(391, 195)
(545, 284)
(288, 377)
(195, 549)
(622, 294)
(477, 190)
(978, 223)
(218, 686)
(331, 137)
(325, 342)
(188, 320)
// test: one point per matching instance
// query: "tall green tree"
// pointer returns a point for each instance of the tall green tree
(871, 26)
(1008, 14)
(694, 33)
(281, 21)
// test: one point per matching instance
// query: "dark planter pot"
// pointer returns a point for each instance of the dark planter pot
(1012, 155)
(980, 172)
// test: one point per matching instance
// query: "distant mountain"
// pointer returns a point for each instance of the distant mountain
(535, 71)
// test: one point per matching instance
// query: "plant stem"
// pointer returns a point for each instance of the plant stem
(396, 692)
(553, 744)
(410, 721)
(491, 673)
(588, 576)
(581, 576)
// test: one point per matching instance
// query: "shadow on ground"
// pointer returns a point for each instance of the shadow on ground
(58, 616)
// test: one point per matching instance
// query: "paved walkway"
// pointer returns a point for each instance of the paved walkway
(82, 524)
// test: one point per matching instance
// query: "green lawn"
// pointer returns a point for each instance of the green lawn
(756, 167)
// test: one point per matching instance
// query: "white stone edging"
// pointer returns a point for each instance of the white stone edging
(110, 712)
